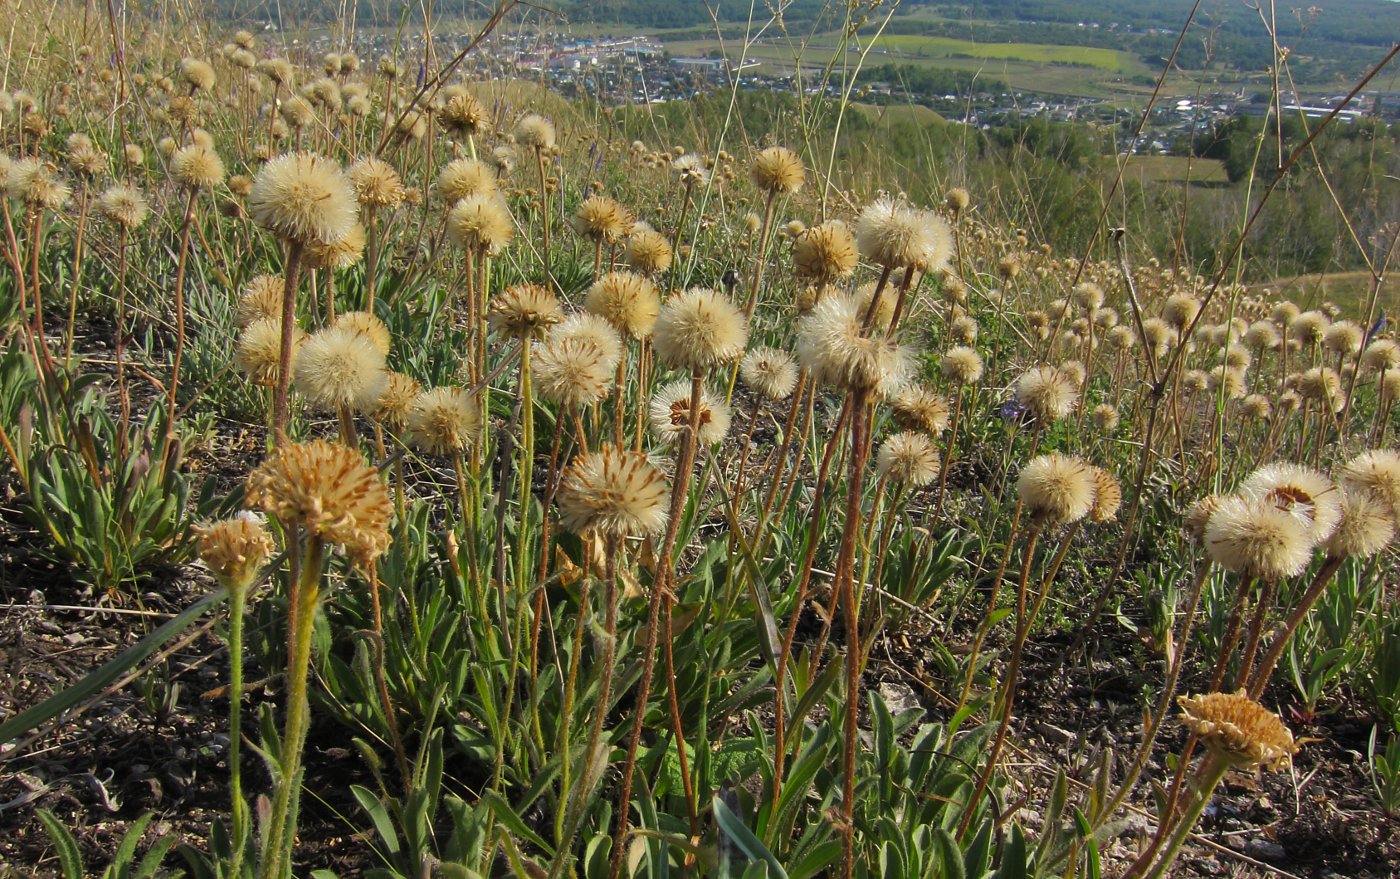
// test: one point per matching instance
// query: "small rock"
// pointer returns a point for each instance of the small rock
(1263, 850)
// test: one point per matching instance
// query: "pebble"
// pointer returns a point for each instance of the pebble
(1263, 850)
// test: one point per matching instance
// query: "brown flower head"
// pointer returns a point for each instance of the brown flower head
(327, 489)
(1238, 729)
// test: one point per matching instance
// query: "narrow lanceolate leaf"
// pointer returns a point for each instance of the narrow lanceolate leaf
(101, 678)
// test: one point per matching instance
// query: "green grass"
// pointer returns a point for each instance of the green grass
(947, 47)
(1175, 169)
(1350, 290)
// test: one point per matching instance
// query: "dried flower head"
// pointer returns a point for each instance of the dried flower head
(572, 371)
(481, 223)
(341, 253)
(535, 131)
(1376, 472)
(602, 220)
(1108, 496)
(234, 549)
(197, 74)
(825, 252)
(197, 167)
(595, 330)
(1322, 385)
(1254, 538)
(327, 489)
(778, 170)
(962, 365)
(1308, 327)
(444, 421)
(1047, 393)
(1105, 416)
(462, 178)
(1056, 489)
(770, 372)
(1367, 526)
(369, 326)
(339, 367)
(920, 408)
(524, 310)
(258, 351)
(698, 330)
(1300, 491)
(1343, 337)
(462, 113)
(261, 298)
(303, 198)
(834, 348)
(895, 235)
(376, 183)
(296, 112)
(1238, 729)
(612, 492)
(670, 414)
(35, 183)
(908, 458)
(1180, 310)
(957, 200)
(648, 251)
(1256, 407)
(123, 205)
(400, 394)
(626, 300)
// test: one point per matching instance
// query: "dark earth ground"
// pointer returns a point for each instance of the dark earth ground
(148, 748)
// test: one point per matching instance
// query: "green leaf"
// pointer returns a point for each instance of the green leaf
(743, 838)
(379, 815)
(513, 822)
(69, 859)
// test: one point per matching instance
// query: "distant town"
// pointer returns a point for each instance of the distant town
(639, 70)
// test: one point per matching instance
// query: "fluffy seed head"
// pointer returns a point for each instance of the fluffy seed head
(197, 167)
(1056, 489)
(572, 371)
(1283, 313)
(367, 325)
(1108, 496)
(277, 70)
(962, 365)
(778, 170)
(1367, 526)
(327, 489)
(535, 131)
(833, 347)
(1047, 393)
(341, 253)
(920, 408)
(524, 310)
(1308, 327)
(462, 178)
(376, 183)
(197, 74)
(339, 367)
(259, 350)
(297, 112)
(612, 492)
(303, 198)
(670, 414)
(462, 113)
(771, 372)
(1254, 538)
(1343, 337)
(1304, 493)
(957, 200)
(698, 330)
(1238, 729)
(1376, 472)
(895, 235)
(1181, 309)
(123, 205)
(1381, 355)
(261, 299)
(602, 220)
(234, 549)
(481, 223)
(1088, 296)
(444, 421)
(1390, 385)
(1256, 407)
(626, 300)
(825, 252)
(596, 331)
(1321, 384)
(1198, 517)
(400, 394)
(648, 252)
(1105, 417)
(908, 458)
(36, 184)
